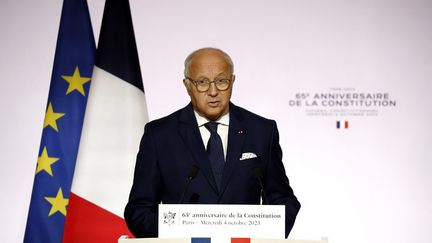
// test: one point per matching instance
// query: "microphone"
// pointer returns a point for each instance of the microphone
(191, 175)
(256, 171)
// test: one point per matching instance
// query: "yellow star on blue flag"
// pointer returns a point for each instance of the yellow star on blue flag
(76, 82)
(58, 203)
(51, 117)
(44, 162)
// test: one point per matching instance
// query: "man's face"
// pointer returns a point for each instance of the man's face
(210, 65)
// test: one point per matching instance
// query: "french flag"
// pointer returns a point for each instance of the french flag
(113, 125)
(339, 124)
(123, 239)
(234, 240)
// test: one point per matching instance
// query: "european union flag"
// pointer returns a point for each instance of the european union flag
(70, 83)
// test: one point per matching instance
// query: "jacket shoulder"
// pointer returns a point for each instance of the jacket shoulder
(246, 115)
(183, 114)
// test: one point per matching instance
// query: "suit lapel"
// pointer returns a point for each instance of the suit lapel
(236, 136)
(188, 130)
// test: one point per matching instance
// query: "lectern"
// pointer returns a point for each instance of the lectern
(220, 223)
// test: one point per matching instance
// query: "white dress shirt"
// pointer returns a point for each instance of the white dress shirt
(222, 129)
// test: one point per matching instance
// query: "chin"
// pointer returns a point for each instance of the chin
(213, 116)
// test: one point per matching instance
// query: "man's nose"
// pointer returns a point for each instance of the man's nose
(212, 91)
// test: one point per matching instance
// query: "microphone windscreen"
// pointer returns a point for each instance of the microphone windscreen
(256, 171)
(193, 172)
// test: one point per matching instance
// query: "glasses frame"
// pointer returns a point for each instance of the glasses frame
(208, 82)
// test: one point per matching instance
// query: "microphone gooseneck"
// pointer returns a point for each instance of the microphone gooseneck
(191, 175)
(256, 171)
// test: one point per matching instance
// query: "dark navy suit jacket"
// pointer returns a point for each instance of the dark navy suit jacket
(170, 147)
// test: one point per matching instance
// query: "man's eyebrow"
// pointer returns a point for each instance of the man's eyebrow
(223, 75)
(202, 78)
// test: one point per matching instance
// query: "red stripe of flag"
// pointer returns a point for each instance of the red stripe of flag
(240, 240)
(87, 222)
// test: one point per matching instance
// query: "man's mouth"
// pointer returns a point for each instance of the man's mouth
(213, 103)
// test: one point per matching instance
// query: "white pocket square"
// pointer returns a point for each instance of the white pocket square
(248, 155)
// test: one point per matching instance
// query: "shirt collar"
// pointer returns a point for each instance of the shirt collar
(224, 119)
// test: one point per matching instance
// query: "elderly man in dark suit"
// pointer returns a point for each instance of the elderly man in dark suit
(225, 153)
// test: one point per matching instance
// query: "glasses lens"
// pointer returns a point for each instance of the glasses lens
(222, 84)
(202, 86)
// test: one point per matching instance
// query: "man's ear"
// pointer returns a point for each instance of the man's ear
(187, 85)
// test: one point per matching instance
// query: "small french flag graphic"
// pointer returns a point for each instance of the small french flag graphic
(232, 240)
(340, 123)
(208, 240)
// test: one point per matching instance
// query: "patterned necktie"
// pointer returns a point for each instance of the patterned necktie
(215, 152)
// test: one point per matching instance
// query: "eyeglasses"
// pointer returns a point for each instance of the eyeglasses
(204, 84)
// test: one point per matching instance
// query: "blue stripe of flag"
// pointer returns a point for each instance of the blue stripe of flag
(200, 240)
(75, 50)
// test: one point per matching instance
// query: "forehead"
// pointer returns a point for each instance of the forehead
(208, 61)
